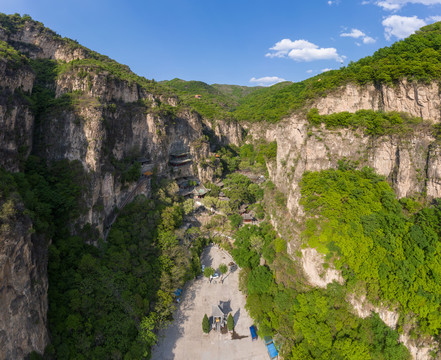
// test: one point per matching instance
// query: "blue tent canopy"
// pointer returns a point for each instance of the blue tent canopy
(272, 351)
(253, 332)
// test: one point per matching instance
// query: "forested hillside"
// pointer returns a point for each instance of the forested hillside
(355, 219)
(109, 296)
(416, 58)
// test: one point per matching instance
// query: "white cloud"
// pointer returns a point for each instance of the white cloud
(398, 4)
(356, 34)
(401, 26)
(266, 80)
(303, 50)
(309, 71)
(368, 40)
(324, 70)
(432, 19)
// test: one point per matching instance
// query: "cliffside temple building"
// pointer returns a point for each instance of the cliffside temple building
(146, 165)
(180, 161)
(200, 191)
(180, 158)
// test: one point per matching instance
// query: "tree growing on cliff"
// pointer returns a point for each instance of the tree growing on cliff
(235, 220)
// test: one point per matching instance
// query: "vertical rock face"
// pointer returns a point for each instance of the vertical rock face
(312, 263)
(434, 171)
(226, 132)
(23, 290)
(420, 100)
(409, 162)
(107, 124)
(39, 42)
(16, 120)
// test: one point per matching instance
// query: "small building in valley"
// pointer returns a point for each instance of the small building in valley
(219, 317)
(247, 218)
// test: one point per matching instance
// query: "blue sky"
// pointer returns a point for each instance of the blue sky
(244, 42)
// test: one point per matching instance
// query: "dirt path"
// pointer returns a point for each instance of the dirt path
(184, 339)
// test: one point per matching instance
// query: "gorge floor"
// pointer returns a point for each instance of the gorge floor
(184, 339)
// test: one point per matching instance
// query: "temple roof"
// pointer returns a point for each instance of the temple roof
(217, 311)
(200, 190)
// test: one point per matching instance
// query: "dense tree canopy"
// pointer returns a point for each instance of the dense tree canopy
(356, 218)
(314, 324)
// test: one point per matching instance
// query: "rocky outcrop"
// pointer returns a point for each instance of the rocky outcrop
(226, 132)
(419, 348)
(23, 289)
(364, 309)
(421, 100)
(317, 275)
(101, 84)
(38, 42)
(16, 119)
(434, 171)
(105, 123)
(103, 137)
(409, 162)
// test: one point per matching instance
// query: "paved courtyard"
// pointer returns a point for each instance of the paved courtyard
(184, 339)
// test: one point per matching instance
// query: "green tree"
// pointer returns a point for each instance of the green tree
(147, 329)
(188, 206)
(235, 220)
(209, 271)
(259, 280)
(257, 243)
(205, 324)
(230, 322)
(214, 189)
(133, 174)
(223, 270)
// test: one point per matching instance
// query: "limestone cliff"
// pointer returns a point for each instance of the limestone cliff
(16, 120)
(23, 287)
(107, 121)
(410, 162)
(103, 121)
(417, 99)
(36, 41)
(101, 136)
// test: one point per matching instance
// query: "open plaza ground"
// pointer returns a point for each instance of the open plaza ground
(184, 339)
